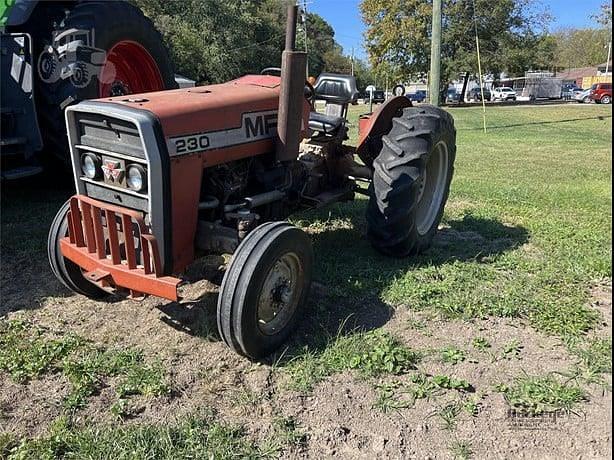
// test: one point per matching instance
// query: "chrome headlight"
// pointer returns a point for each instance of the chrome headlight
(90, 165)
(136, 178)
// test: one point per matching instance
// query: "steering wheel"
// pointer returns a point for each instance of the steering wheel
(275, 71)
(309, 91)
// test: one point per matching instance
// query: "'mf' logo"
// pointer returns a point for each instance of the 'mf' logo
(255, 127)
(260, 125)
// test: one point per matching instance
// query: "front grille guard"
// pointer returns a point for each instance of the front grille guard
(94, 243)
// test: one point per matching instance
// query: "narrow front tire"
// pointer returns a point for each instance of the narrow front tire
(264, 289)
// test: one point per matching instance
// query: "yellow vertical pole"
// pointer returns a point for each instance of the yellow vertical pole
(477, 45)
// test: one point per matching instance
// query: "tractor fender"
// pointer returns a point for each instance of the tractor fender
(374, 125)
(20, 12)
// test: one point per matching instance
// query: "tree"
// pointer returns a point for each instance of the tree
(580, 47)
(214, 40)
(512, 36)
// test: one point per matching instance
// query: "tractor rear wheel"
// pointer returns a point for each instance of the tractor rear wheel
(107, 48)
(411, 181)
(66, 271)
(264, 289)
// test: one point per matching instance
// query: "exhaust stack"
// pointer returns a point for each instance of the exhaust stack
(291, 95)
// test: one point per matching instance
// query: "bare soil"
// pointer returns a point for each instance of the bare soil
(337, 417)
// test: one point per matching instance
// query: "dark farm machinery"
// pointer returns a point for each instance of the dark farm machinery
(57, 53)
(164, 178)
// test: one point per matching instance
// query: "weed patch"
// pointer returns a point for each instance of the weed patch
(536, 395)
(371, 354)
(27, 352)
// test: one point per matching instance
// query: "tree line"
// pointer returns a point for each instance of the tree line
(213, 41)
(514, 38)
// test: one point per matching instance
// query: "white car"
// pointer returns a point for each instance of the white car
(503, 93)
(584, 96)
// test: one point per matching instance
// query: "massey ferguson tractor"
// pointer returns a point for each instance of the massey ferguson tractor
(164, 178)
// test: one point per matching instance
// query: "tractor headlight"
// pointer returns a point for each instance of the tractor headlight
(90, 165)
(136, 178)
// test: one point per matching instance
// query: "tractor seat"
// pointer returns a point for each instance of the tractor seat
(326, 124)
(337, 91)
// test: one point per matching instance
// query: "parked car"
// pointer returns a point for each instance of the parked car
(601, 93)
(584, 96)
(570, 91)
(503, 93)
(418, 96)
(452, 95)
(475, 94)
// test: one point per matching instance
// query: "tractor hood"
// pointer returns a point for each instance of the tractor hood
(230, 120)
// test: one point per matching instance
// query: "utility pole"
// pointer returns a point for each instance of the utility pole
(352, 60)
(304, 18)
(435, 53)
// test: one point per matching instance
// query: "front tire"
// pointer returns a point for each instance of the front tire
(606, 100)
(66, 271)
(264, 289)
(411, 181)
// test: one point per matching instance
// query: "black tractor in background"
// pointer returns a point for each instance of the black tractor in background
(55, 54)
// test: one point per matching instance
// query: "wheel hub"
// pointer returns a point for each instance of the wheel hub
(280, 294)
(432, 188)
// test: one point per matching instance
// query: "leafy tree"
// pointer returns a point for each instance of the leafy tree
(580, 47)
(511, 33)
(215, 40)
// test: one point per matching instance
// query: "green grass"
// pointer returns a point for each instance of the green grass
(461, 450)
(529, 220)
(27, 352)
(536, 395)
(371, 354)
(198, 437)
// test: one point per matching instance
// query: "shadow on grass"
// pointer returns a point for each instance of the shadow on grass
(515, 125)
(349, 282)
(351, 277)
(354, 275)
(27, 209)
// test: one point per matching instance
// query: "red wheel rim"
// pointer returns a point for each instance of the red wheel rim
(129, 69)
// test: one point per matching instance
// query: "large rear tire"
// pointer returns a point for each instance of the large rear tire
(264, 289)
(411, 181)
(135, 60)
(69, 273)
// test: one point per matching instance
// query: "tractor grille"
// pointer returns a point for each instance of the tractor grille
(115, 142)
(110, 134)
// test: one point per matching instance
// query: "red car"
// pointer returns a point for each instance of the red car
(601, 93)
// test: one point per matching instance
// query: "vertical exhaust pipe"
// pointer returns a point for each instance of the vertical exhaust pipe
(291, 94)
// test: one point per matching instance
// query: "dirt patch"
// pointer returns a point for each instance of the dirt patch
(601, 300)
(338, 418)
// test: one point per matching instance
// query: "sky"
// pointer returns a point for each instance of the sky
(344, 16)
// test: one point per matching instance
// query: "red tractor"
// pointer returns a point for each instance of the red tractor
(167, 177)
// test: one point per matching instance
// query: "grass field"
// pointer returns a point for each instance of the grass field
(509, 311)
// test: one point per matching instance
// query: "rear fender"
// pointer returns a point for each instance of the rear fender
(374, 125)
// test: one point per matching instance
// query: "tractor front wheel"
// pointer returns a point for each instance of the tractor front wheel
(411, 181)
(66, 271)
(264, 289)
